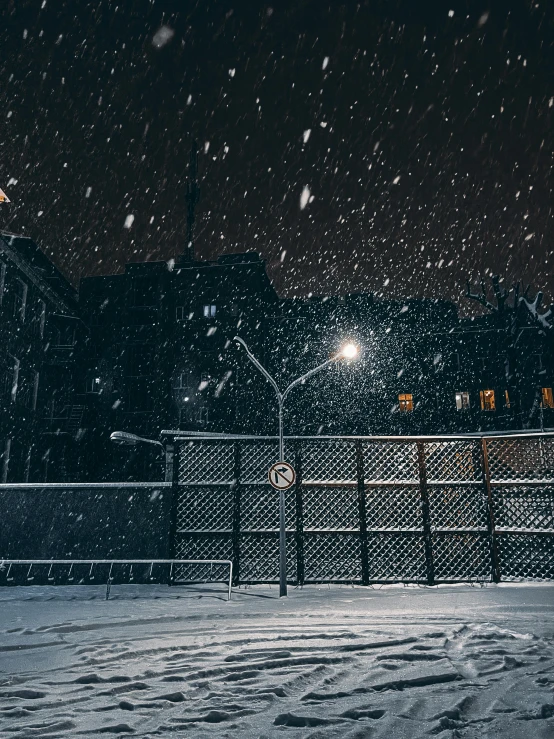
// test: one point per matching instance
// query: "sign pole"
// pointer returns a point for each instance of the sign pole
(282, 546)
(282, 476)
(282, 528)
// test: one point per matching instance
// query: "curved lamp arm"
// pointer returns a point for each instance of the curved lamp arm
(301, 380)
(255, 362)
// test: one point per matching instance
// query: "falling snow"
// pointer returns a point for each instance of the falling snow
(101, 104)
(162, 36)
(304, 197)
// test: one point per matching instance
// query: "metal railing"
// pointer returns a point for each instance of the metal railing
(72, 575)
(371, 509)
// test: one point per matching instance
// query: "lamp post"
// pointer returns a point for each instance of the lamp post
(123, 438)
(348, 351)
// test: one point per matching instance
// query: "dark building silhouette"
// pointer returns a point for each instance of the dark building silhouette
(160, 353)
(40, 416)
(162, 356)
(154, 350)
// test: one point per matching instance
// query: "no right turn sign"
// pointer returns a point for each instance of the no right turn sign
(281, 475)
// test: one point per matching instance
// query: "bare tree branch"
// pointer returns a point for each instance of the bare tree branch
(521, 301)
(480, 298)
(499, 293)
(543, 319)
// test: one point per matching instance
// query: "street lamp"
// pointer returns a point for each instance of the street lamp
(348, 351)
(123, 438)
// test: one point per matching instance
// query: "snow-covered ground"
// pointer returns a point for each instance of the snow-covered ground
(397, 662)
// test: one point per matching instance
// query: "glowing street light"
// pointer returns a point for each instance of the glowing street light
(348, 351)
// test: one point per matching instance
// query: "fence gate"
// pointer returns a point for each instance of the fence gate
(370, 509)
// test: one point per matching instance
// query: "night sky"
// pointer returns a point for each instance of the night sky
(395, 147)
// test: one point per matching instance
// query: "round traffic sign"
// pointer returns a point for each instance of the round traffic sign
(281, 475)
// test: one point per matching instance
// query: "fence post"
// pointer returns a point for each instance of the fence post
(172, 475)
(495, 569)
(299, 515)
(236, 515)
(169, 456)
(362, 512)
(425, 513)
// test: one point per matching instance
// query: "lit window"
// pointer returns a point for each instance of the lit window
(209, 311)
(92, 385)
(462, 401)
(488, 402)
(406, 402)
(507, 399)
(547, 397)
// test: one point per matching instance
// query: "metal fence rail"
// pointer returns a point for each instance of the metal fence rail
(370, 509)
(95, 571)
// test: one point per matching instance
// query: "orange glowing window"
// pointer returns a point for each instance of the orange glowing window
(547, 397)
(488, 402)
(406, 402)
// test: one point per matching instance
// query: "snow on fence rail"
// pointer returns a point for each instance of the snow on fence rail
(55, 574)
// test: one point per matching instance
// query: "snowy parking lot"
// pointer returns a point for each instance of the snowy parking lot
(328, 661)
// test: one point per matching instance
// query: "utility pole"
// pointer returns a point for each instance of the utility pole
(192, 197)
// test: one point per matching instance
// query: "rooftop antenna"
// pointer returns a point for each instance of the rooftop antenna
(192, 198)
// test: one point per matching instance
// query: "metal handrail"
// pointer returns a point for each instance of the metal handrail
(112, 562)
(200, 436)
(82, 485)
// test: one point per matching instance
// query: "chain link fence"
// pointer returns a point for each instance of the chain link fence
(370, 510)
